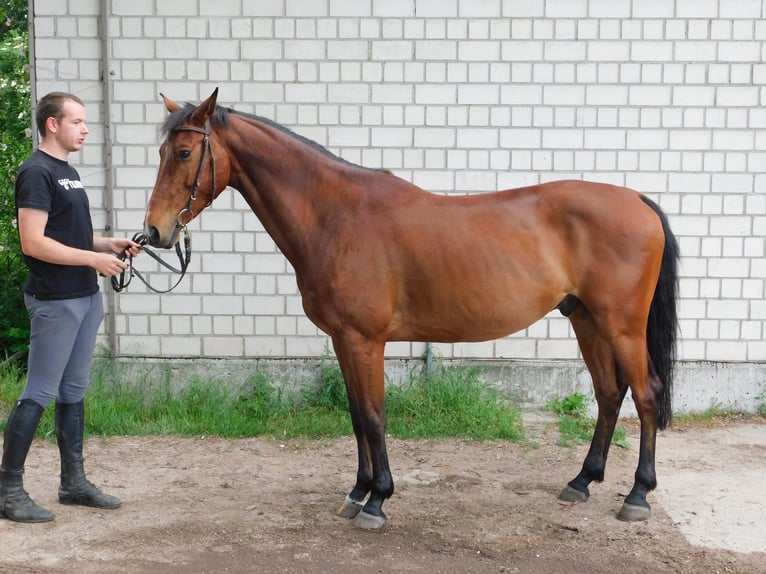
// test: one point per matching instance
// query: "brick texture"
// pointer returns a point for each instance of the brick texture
(458, 97)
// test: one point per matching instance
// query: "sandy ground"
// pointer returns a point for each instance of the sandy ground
(208, 505)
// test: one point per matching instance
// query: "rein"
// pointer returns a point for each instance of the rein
(119, 282)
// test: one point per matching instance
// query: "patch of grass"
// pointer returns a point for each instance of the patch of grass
(453, 403)
(620, 437)
(208, 407)
(714, 415)
(575, 427)
(330, 390)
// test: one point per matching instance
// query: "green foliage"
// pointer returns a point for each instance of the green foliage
(452, 402)
(15, 147)
(260, 399)
(716, 414)
(13, 16)
(572, 405)
(574, 425)
(120, 403)
(620, 437)
(330, 392)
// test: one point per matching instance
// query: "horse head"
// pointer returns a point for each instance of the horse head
(192, 173)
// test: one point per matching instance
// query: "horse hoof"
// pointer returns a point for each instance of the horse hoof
(633, 513)
(570, 495)
(369, 521)
(350, 508)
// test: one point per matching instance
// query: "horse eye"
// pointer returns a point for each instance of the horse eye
(184, 154)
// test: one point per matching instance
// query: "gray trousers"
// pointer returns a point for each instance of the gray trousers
(61, 344)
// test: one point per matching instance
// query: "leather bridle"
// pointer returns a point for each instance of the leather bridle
(119, 282)
(207, 151)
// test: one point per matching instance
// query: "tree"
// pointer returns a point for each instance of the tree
(13, 16)
(15, 147)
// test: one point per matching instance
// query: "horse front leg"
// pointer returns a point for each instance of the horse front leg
(356, 499)
(361, 362)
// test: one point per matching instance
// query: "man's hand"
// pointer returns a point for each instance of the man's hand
(116, 245)
(107, 264)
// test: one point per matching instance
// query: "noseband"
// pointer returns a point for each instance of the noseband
(119, 282)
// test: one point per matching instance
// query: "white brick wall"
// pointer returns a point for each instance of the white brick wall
(457, 96)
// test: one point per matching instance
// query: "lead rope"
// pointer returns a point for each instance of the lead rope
(184, 257)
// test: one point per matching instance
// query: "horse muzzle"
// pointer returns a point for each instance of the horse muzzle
(155, 238)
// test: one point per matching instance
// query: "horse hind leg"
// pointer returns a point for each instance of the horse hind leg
(632, 371)
(616, 364)
(609, 389)
(633, 358)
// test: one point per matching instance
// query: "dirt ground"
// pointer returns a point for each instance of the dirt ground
(208, 505)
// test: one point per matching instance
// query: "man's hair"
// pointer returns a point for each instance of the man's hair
(52, 106)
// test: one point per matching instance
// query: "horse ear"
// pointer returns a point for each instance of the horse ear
(206, 108)
(170, 105)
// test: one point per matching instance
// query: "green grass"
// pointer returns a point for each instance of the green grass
(575, 426)
(713, 412)
(716, 414)
(454, 403)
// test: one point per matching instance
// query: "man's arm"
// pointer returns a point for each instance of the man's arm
(36, 244)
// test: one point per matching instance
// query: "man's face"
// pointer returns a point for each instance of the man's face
(70, 132)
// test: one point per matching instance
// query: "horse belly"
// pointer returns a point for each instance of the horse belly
(481, 313)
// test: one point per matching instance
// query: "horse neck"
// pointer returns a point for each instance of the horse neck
(285, 181)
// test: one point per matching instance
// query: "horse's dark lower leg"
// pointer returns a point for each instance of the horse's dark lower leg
(372, 515)
(379, 486)
(610, 389)
(636, 506)
(363, 483)
(645, 389)
(362, 365)
(594, 464)
(358, 495)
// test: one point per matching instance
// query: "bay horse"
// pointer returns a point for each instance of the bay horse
(378, 259)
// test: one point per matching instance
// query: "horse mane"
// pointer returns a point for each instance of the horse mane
(221, 118)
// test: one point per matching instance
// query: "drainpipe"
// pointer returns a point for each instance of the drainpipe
(32, 68)
(106, 81)
(429, 360)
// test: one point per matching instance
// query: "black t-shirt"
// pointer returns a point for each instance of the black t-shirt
(52, 185)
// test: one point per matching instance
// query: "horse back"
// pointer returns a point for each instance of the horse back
(410, 265)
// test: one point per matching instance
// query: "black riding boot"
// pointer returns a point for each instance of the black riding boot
(15, 503)
(75, 488)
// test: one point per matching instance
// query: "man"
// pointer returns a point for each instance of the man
(64, 304)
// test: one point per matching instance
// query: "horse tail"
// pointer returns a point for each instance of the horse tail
(662, 326)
